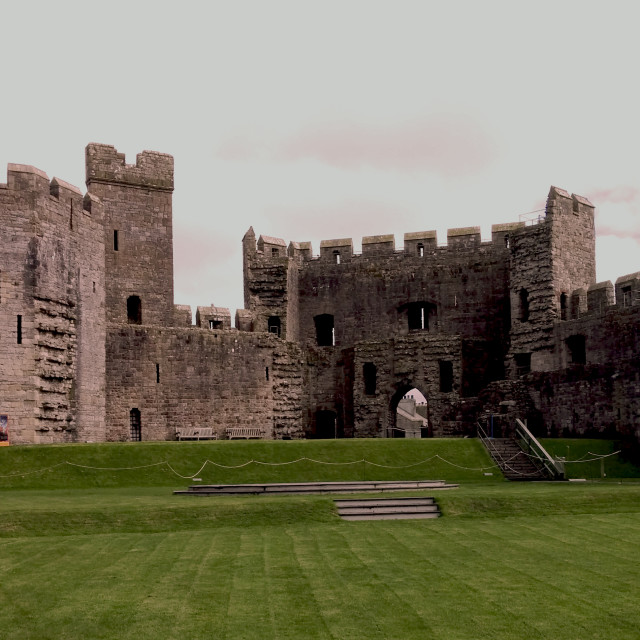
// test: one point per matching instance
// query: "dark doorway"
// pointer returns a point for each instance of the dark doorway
(325, 334)
(135, 425)
(273, 325)
(134, 310)
(370, 375)
(326, 425)
(577, 349)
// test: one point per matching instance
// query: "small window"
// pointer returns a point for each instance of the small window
(134, 310)
(563, 306)
(523, 363)
(266, 373)
(215, 324)
(157, 373)
(19, 329)
(71, 218)
(336, 257)
(275, 252)
(507, 242)
(115, 240)
(135, 426)
(370, 375)
(325, 332)
(576, 346)
(524, 305)
(418, 315)
(420, 250)
(446, 376)
(94, 287)
(627, 299)
(274, 325)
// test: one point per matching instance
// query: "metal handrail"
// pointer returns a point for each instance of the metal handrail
(555, 468)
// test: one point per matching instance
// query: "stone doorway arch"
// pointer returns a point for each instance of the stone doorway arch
(400, 424)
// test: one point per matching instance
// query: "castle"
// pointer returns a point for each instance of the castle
(94, 349)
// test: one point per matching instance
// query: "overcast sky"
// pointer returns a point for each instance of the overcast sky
(314, 120)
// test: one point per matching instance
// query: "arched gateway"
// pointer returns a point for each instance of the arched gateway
(409, 414)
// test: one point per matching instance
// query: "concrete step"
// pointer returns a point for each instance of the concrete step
(314, 487)
(388, 509)
(394, 516)
(391, 502)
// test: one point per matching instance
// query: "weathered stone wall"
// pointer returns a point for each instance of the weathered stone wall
(137, 207)
(549, 261)
(53, 375)
(194, 377)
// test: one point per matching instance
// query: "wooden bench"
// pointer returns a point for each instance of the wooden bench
(235, 433)
(196, 433)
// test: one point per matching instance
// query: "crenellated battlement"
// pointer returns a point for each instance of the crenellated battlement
(605, 296)
(58, 197)
(152, 170)
(417, 243)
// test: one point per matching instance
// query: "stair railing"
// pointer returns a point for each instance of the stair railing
(555, 468)
(491, 448)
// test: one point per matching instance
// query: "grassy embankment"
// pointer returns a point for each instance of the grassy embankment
(507, 561)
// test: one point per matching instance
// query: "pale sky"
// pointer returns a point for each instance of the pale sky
(318, 120)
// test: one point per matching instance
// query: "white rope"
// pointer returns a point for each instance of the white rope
(505, 463)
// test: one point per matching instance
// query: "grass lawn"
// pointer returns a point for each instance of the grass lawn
(507, 561)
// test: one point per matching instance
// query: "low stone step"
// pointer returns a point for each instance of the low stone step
(380, 509)
(394, 516)
(392, 502)
(388, 509)
(314, 487)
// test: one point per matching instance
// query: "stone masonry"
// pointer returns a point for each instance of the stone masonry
(94, 348)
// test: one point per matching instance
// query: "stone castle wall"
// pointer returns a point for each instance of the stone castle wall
(52, 307)
(179, 378)
(327, 346)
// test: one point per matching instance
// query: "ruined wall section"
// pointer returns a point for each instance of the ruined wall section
(267, 267)
(403, 364)
(53, 371)
(532, 298)
(138, 235)
(180, 378)
(464, 288)
(552, 267)
(573, 244)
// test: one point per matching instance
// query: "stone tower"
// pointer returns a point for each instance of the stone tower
(138, 235)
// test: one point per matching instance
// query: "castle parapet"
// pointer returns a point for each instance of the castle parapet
(378, 245)
(464, 237)
(501, 233)
(27, 178)
(416, 243)
(336, 251)
(272, 247)
(244, 320)
(559, 201)
(300, 250)
(213, 318)
(152, 170)
(182, 315)
(600, 296)
(628, 290)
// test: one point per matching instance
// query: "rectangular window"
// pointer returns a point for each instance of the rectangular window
(626, 296)
(157, 373)
(523, 363)
(19, 328)
(115, 240)
(446, 376)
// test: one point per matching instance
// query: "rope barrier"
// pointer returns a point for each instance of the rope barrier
(298, 460)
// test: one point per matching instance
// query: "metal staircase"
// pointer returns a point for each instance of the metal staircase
(522, 457)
